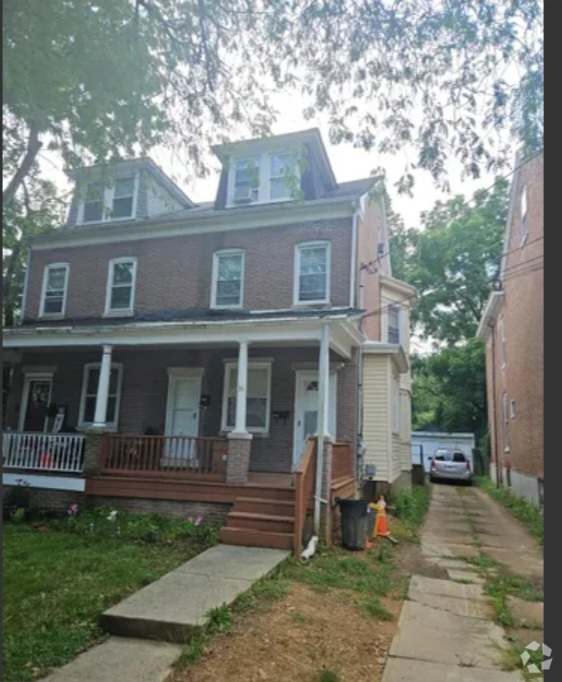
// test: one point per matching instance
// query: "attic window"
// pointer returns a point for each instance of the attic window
(123, 198)
(107, 203)
(282, 175)
(93, 203)
(246, 181)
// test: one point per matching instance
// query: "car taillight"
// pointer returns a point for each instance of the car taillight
(467, 465)
(433, 465)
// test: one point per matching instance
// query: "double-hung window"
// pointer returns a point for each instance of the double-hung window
(312, 273)
(393, 328)
(120, 297)
(90, 392)
(282, 176)
(55, 284)
(258, 396)
(123, 193)
(102, 202)
(228, 279)
(246, 180)
(94, 202)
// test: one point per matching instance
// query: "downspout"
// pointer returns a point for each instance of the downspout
(494, 411)
(25, 281)
(352, 303)
(353, 270)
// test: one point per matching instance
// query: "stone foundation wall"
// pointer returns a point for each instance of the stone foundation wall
(211, 511)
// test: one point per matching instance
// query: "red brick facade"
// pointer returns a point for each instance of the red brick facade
(517, 442)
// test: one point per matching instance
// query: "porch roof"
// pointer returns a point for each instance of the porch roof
(264, 327)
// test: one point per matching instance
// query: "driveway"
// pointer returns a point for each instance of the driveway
(446, 627)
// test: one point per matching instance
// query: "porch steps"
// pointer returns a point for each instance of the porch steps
(261, 517)
(256, 538)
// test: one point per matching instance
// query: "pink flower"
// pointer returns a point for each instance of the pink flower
(73, 509)
(198, 520)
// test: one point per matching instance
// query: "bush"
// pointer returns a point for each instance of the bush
(411, 504)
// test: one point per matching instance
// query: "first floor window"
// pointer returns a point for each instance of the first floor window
(121, 286)
(228, 278)
(90, 394)
(393, 324)
(312, 276)
(257, 397)
(54, 289)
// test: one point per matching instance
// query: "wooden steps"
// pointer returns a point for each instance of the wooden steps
(256, 538)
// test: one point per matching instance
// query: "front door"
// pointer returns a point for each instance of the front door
(36, 403)
(306, 410)
(182, 416)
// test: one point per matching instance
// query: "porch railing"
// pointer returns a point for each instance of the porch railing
(43, 452)
(165, 455)
(342, 461)
(304, 488)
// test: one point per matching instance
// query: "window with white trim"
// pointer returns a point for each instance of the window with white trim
(393, 324)
(121, 279)
(282, 175)
(90, 392)
(227, 287)
(246, 180)
(312, 273)
(258, 396)
(55, 285)
(505, 421)
(524, 226)
(106, 203)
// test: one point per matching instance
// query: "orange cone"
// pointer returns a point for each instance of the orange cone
(381, 527)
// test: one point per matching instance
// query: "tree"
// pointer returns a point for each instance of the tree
(453, 261)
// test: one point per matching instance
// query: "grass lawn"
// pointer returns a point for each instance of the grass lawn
(56, 584)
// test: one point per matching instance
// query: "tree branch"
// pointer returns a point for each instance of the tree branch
(34, 144)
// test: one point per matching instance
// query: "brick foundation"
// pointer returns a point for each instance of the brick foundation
(92, 453)
(238, 463)
(176, 508)
(51, 500)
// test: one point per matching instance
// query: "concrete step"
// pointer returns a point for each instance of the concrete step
(269, 523)
(175, 606)
(260, 505)
(255, 538)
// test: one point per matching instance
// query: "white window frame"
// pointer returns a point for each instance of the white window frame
(396, 307)
(97, 365)
(121, 312)
(48, 267)
(524, 215)
(107, 198)
(282, 176)
(217, 255)
(254, 364)
(502, 344)
(264, 175)
(297, 267)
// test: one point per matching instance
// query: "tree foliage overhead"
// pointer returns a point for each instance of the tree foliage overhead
(452, 261)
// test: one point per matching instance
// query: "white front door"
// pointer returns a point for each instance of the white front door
(306, 410)
(182, 415)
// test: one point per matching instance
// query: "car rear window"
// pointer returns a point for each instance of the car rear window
(450, 457)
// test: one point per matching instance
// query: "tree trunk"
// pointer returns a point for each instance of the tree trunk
(9, 303)
(33, 147)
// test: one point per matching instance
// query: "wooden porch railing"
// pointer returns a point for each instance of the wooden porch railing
(304, 489)
(165, 455)
(342, 461)
(53, 452)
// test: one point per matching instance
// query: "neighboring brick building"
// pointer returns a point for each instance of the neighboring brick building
(512, 328)
(243, 318)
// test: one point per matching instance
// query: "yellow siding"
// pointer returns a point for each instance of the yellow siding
(377, 413)
(396, 458)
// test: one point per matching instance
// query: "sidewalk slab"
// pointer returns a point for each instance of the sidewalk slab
(407, 670)
(173, 606)
(446, 588)
(120, 659)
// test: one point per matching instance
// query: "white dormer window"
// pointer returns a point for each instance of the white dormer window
(262, 178)
(104, 204)
(246, 181)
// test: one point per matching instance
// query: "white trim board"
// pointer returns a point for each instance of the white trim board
(47, 482)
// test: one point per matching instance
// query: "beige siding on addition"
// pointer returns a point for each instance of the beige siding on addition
(377, 414)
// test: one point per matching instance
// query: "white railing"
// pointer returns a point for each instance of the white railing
(43, 451)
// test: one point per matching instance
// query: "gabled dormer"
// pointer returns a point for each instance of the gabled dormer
(123, 191)
(276, 169)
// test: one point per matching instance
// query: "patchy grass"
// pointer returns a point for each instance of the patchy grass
(410, 507)
(482, 561)
(328, 676)
(510, 659)
(531, 517)
(56, 584)
(372, 607)
(499, 587)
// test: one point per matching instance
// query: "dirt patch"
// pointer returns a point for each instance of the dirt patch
(296, 638)
(410, 560)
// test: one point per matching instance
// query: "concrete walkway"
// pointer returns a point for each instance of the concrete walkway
(153, 622)
(446, 628)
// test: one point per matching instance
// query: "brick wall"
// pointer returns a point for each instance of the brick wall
(213, 512)
(51, 500)
(370, 232)
(523, 317)
(145, 390)
(174, 273)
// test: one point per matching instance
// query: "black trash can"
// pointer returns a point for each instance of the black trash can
(354, 523)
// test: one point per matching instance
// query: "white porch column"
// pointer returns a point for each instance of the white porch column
(100, 414)
(322, 431)
(241, 388)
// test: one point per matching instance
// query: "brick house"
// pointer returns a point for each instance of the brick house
(198, 354)
(512, 328)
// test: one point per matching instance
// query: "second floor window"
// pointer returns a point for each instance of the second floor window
(228, 279)
(312, 273)
(54, 289)
(393, 331)
(121, 286)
